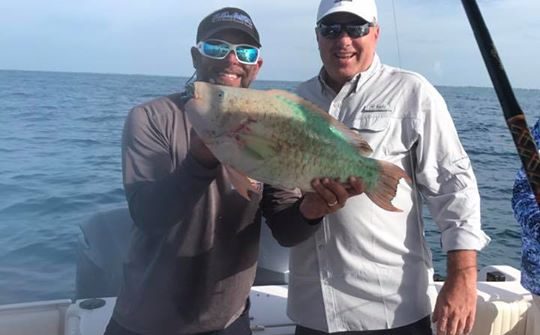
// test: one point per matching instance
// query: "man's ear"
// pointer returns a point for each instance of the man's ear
(195, 57)
(377, 32)
(317, 38)
(257, 67)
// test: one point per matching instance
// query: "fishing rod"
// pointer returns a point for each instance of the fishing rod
(515, 118)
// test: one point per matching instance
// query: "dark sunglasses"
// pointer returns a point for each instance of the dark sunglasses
(218, 49)
(334, 30)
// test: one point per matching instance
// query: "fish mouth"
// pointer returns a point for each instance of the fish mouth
(196, 90)
(189, 91)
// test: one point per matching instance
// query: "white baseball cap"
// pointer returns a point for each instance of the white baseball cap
(366, 9)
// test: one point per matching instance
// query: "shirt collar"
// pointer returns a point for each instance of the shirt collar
(356, 82)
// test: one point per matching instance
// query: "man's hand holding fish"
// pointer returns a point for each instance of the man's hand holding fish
(329, 196)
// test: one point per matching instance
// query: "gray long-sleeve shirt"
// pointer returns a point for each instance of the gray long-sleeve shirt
(194, 249)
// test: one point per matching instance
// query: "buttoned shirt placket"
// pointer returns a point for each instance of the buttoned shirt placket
(322, 236)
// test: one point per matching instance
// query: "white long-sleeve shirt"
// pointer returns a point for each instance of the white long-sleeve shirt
(367, 268)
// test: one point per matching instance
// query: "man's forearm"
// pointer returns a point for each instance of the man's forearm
(462, 263)
(157, 205)
(455, 309)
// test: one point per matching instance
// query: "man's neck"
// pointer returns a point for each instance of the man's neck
(333, 84)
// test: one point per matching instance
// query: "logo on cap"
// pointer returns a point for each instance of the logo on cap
(234, 17)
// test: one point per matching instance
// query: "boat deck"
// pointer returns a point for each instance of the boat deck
(504, 308)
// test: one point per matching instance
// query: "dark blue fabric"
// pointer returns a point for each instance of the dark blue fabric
(527, 214)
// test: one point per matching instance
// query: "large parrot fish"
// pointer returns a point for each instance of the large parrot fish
(281, 139)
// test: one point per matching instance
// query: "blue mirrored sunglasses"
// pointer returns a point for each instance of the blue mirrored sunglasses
(334, 30)
(218, 49)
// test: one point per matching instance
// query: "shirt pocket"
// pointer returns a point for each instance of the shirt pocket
(373, 118)
(372, 124)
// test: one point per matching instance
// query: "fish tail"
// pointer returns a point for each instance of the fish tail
(385, 188)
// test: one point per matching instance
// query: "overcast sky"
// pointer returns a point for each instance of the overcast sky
(432, 37)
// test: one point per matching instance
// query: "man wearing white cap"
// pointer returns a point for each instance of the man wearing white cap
(367, 270)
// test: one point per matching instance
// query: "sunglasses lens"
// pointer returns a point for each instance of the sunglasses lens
(330, 31)
(356, 31)
(333, 31)
(220, 49)
(214, 49)
(247, 54)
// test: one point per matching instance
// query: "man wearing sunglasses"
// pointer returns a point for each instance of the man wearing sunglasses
(367, 270)
(194, 247)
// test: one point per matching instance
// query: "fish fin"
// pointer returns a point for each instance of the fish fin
(358, 141)
(257, 147)
(351, 135)
(385, 190)
(241, 183)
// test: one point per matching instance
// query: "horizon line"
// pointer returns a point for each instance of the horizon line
(183, 76)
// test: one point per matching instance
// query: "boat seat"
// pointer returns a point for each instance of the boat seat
(502, 317)
(101, 248)
(494, 316)
(104, 242)
(42, 317)
(503, 307)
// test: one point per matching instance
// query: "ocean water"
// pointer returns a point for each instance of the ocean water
(60, 164)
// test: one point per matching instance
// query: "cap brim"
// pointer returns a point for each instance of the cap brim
(248, 32)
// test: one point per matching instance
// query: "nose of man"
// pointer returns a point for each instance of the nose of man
(231, 58)
(344, 38)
